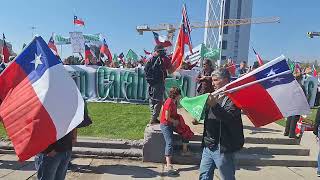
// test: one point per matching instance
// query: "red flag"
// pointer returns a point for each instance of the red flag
(105, 50)
(77, 21)
(147, 52)
(179, 51)
(5, 50)
(183, 38)
(258, 57)
(314, 71)
(87, 54)
(161, 41)
(52, 46)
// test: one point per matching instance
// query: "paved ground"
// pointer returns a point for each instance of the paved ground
(95, 169)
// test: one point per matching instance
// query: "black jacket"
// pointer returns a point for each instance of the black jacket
(229, 117)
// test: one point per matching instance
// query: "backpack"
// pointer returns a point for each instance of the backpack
(154, 71)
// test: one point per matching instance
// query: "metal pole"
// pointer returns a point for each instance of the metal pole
(223, 2)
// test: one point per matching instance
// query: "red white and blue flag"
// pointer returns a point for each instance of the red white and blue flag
(5, 50)
(259, 59)
(52, 46)
(187, 27)
(77, 21)
(314, 71)
(40, 103)
(160, 40)
(105, 50)
(147, 52)
(183, 38)
(268, 93)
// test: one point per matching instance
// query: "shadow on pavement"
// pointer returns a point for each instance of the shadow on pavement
(261, 130)
(15, 165)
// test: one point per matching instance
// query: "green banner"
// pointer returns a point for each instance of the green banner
(89, 38)
(195, 106)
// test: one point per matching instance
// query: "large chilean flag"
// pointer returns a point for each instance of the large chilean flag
(40, 103)
(268, 93)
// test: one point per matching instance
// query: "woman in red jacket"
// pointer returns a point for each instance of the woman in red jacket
(172, 121)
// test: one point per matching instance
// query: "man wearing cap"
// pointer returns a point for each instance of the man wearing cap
(223, 132)
(156, 90)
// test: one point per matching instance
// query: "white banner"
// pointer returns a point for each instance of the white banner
(77, 42)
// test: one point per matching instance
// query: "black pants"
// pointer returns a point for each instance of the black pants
(291, 124)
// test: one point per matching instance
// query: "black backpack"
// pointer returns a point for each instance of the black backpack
(154, 71)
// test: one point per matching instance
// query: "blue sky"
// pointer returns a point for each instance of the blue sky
(117, 20)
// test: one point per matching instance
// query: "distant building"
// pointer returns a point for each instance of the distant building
(234, 41)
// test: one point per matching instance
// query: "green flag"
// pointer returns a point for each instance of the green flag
(195, 106)
(291, 65)
(212, 54)
(115, 58)
(203, 50)
(131, 55)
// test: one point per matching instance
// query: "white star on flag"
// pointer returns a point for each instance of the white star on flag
(271, 73)
(37, 61)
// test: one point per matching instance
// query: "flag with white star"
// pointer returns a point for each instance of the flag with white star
(269, 93)
(40, 103)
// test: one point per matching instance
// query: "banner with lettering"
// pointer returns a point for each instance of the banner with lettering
(99, 83)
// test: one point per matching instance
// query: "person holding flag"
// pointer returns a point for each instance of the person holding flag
(223, 132)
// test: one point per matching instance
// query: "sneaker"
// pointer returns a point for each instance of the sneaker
(318, 174)
(171, 171)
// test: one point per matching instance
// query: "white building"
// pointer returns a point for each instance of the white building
(234, 41)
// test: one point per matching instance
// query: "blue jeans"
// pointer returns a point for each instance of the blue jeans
(212, 159)
(52, 168)
(167, 132)
(318, 171)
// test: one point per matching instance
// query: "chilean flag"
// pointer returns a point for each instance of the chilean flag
(268, 93)
(77, 21)
(40, 103)
(52, 46)
(5, 50)
(105, 50)
(161, 40)
(314, 71)
(259, 59)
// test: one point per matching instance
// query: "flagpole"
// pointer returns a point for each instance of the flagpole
(223, 89)
(61, 50)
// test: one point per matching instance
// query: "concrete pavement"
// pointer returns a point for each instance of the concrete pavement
(96, 169)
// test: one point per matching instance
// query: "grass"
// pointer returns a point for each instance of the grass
(311, 116)
(112, 120)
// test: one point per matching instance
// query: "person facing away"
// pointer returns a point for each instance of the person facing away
(223, 132)
(156, 72)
